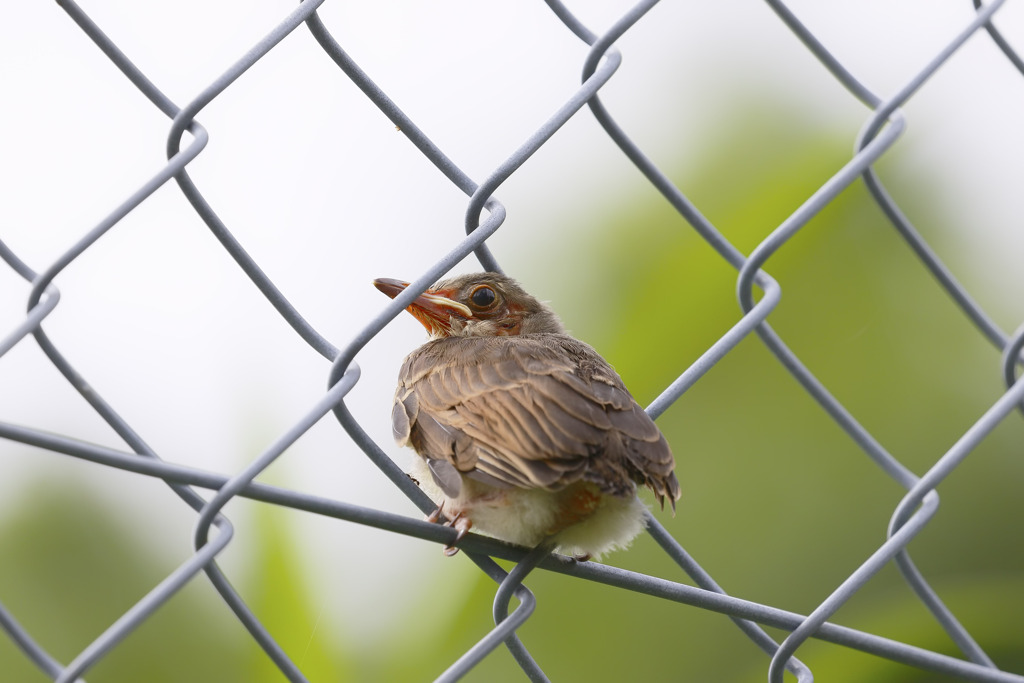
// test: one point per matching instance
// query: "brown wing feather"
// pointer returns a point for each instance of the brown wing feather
(533, 411)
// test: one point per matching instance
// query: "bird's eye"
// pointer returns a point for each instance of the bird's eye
(483, 296)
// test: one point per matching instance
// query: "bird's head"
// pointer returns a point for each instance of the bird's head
(476, 305)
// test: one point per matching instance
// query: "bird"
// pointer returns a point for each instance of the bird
(523, 432)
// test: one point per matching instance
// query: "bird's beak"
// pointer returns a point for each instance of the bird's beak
(434, 308)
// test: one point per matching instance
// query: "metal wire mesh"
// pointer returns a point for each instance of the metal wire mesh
(484, 215)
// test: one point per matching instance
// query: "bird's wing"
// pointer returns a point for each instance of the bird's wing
(532, 411)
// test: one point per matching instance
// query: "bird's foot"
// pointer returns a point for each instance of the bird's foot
(462, 525)
(436, 515)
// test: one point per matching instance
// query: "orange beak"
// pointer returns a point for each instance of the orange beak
(434, 309)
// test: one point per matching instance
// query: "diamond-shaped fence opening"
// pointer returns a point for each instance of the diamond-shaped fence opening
(57, 268)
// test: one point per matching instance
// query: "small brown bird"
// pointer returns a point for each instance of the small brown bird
(524, 433)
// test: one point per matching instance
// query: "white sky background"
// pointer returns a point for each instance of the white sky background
(326, 195)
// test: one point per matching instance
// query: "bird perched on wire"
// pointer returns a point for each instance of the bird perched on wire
(523, 432)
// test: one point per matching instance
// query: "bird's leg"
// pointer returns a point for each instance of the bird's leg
(462, 525)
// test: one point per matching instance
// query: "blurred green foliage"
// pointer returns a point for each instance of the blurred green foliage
(70, 568)
(778, 504)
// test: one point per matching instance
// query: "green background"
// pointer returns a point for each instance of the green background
(778, 504)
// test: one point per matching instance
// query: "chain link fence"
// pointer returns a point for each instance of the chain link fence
(758, 294)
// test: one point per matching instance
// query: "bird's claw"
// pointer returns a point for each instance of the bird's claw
(461, 525)
(436, 515)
